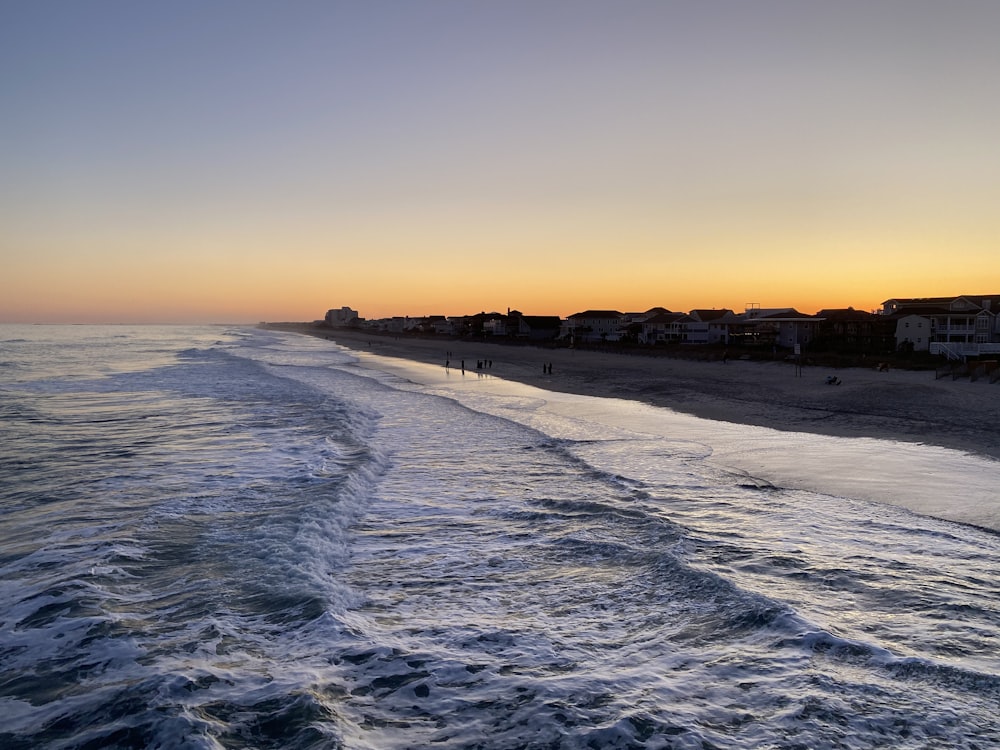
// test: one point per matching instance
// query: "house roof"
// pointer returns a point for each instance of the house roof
(758, 312)
(596, 314)
(923, 301)
(989, 302)
(706, 316)
(542, 321)
(667, 317)
(919, 310)
(788, 314)
(846, 314)
(928, 311)
(484, 316)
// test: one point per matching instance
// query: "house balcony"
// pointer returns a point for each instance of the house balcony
(953, 330)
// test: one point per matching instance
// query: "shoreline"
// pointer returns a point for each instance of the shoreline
(900, 405)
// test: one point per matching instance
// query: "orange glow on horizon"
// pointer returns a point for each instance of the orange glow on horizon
(210, 289)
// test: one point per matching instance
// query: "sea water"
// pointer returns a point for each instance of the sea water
(218, 538)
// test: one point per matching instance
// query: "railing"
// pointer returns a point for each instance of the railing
(954, 352)
(957, 351)
(958, 330)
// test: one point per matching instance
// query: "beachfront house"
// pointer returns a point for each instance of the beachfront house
(665, 328)
(495, 326)
(850, 330)
(592, 326)
(438, 325)
(398, 324)
(537, 327)
(480, 324)
(633, 324)
(631, 328)
(784, 328)
(966, 325)
(516, 324)
(710, 326)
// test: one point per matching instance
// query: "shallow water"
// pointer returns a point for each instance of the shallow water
(228, 538)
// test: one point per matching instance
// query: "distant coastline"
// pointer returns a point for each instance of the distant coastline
(910, 406)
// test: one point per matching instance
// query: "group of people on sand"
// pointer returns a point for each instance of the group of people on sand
(481, 364)
(486, 364)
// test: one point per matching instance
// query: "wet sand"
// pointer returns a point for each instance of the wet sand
(896, 405)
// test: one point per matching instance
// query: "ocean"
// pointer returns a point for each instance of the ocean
(222, 537)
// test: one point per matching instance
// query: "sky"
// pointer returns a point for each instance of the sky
(242, 160)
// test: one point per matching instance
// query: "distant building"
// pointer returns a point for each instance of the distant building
(482, 324)
(345, 316)
(517, 325)
(435, 324)
(398, 324)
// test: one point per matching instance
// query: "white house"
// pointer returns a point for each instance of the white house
(957, 326)
(913, 331)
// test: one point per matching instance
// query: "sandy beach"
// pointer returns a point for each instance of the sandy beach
(896, 405)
